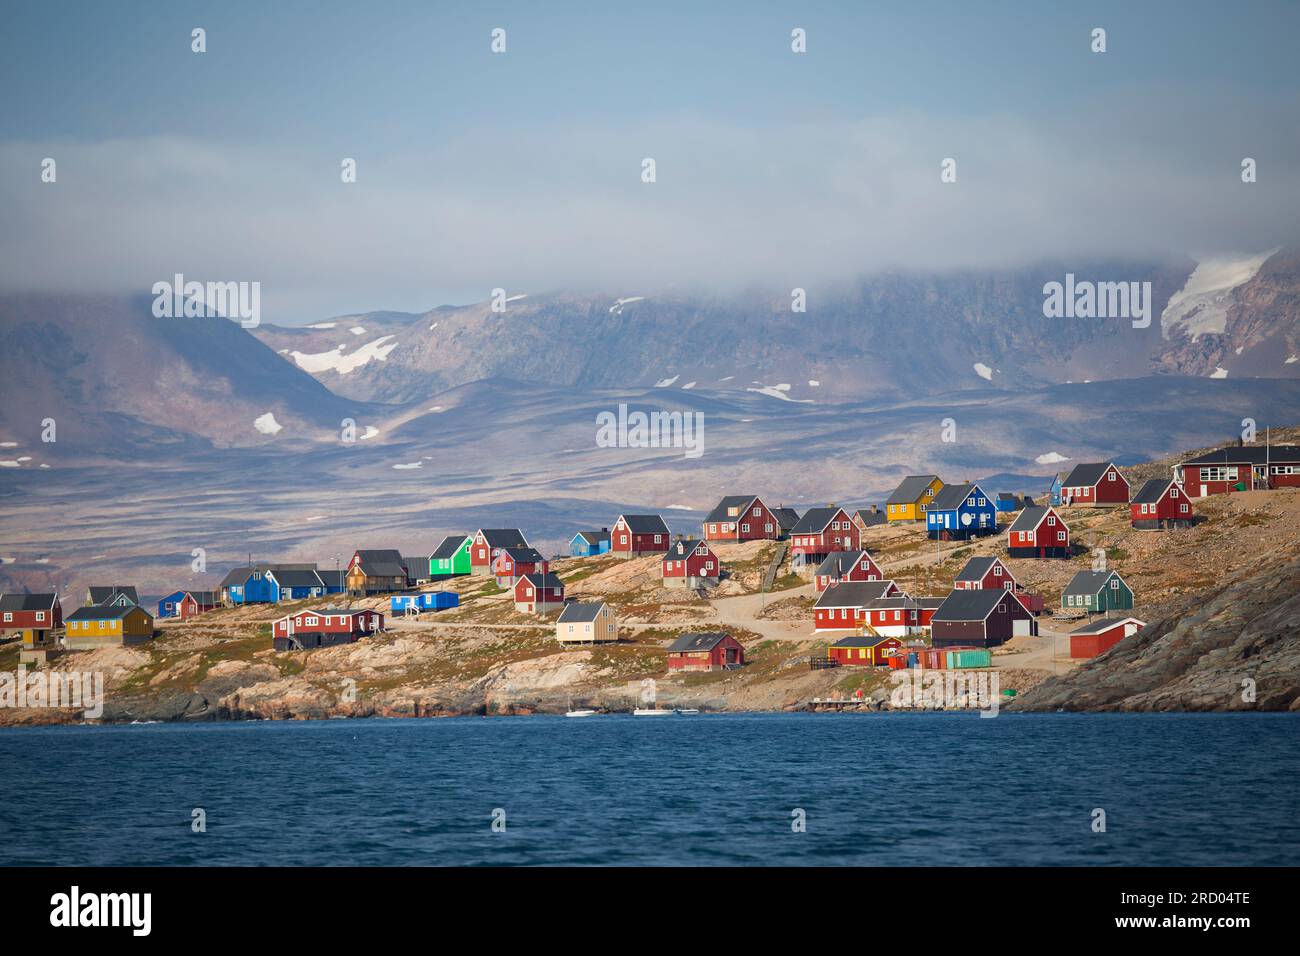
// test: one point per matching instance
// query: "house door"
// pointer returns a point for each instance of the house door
(1021, 627)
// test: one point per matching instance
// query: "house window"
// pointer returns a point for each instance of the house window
(744, 528)
(1219, 473)
(1183, 507)
(658, 538)
(997, 570)
(8, 617)
(1060, 536)
(1114, 585)
(757, 512)
(1051, 520)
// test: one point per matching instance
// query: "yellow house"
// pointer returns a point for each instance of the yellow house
(912, 497)
(586, 624)
(103, 626)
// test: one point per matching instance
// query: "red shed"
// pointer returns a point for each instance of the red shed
(639, 534)
(1095, 483)
(843, 607)
(1240, 468)
(981, 574)
(741, 518)
(1101, 635)
(1038, 532)
(323, 626)
(705, 652)
(1161, 503)
(539, 593)
(487, 543)
(823, 531)
(513, 563)
(847, 566)
(870, 650)
(690, 563)
(41, 612)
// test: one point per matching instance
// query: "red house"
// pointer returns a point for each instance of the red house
(539, 593)
(1161, 503)
(40, 612)
(1098, 483)
(823, 531)
(690, 564)
(705, 652)
(846, 566)
(635, 535)
(843, 607)
(869, 650)
(323, 626)
(1038, 532)
(1101, 635)
(1240, 468)
(983, 573)
(742, 518)
(195, 603)
(487, 543)
(512, 563)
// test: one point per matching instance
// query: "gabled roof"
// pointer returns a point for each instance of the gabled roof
(104, 612)
(976, 568)
(450, 545)
(720, 511)
(27, 602)
(382, 563)
(236, 576)
(295, 578)
(928, 602)
(578, 613)
(503, 537)
(680, 550)
(1087, 474)
(867, 517)
(839, 562)
(1090, 582)
(815, 520)
(416, 564)
(697, 642)
(853, 593)
(951, 497)
(524, 555)
(98, 595)
(593, 537)
(910, 489)
(538, 580)
(332, 578)
(1152, 490)
(645, 524)
(1105, 624)
(203, 597)
(1031, 518)
(969, 605)
(1248, 454)
(862, 640)
(787, 518)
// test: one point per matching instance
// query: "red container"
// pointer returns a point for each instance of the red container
(896, 663)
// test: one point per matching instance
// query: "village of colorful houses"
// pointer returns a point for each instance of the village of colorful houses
(882, 625)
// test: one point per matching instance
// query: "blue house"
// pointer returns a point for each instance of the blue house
(1054, 493)
(959, 512)
(588, 544)
(233, 585)
(170, 606)
(335, 582)
(424, 601)
(293, 583)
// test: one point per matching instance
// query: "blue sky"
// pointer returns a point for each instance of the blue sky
(522, 170)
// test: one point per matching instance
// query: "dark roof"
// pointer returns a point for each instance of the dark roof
(576, 613)
(1029, 519)
(869, 517)
(332, 578)
(698, 642)
(203, 597)
(1089, 582)
(645, 524)
(950, 497)
(504, 537)
(236, 576)
(740, 502)
(99, 612)
(27, 602)
(548, 580)
(526, 555)
(1152, 490)
(416, 564)
(98, 595)
(852, 593)
(815, 520)
(593, 537)
(929, 602)
(861, 640)
(1086, 474)
(838, 562)
(969, 605)
(383, 563)
(1104, 624)
(295, 578)
(450, 545)
(679, 550)
(910, 489)
(975, 569)
(787, 518)
(1248, 454)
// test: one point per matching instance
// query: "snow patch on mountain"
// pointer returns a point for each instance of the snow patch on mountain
(781, 391)
(413, 464)
(983, 371)
(1201, 306)
(335, 360)
(358, 330)
(617, 307)
(665, 382)
(266, 424)
(1219, 372)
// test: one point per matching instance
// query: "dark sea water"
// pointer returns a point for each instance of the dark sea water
(877, 789)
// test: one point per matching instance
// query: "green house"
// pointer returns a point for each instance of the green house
(452, 556)
(1097, 592)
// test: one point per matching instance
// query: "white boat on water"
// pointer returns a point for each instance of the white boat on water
(652, 712)
(580, 713)
(687, 710)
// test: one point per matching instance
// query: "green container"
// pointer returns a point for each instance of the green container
(957, 660)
